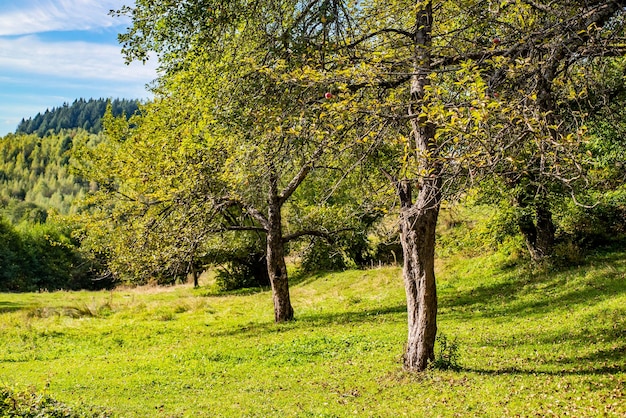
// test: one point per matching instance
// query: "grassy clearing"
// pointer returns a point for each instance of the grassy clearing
(530, 344)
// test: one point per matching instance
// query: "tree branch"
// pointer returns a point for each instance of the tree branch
(258, 216)
(241, 228)
(378, 32)
(301, 175)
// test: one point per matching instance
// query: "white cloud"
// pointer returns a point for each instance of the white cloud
(75, 59)
(36, 16)
(46, 58)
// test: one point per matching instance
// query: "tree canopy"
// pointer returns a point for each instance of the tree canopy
(435, 96)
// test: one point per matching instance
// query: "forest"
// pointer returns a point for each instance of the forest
(332, 134)
(39, 194)
(85, 114)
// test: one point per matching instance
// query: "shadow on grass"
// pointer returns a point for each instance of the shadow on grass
(352, 316)
(301, 278)
(548, 291)
(10, 307)
(322, 319)
(592, 371)
(522, 294)
(612, 355)
(296, 278)
(600, 362)
(246, 291)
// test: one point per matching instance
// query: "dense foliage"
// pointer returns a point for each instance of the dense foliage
(35, 257)
(84, 114)
(39, 248)
(28, 404)
(35, 175)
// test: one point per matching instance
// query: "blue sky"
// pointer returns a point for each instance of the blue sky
(56, 51)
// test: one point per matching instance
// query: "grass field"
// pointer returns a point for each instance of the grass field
(529, 344)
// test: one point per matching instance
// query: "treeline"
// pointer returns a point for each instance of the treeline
(43, 244)
(84, 114)
(39, 246)
(35, 175)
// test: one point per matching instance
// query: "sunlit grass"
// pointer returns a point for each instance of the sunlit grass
(531, 343)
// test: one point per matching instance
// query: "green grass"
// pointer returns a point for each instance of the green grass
(530, 344)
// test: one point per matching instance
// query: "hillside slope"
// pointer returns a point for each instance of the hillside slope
(528, 344)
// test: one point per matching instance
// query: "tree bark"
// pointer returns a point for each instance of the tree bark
(195, 275)
(545, 230)
(418, 220)
(276, 267)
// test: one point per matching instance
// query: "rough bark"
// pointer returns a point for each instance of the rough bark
(276, 267)
(418, 220)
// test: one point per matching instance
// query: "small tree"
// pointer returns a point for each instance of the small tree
(239, 126)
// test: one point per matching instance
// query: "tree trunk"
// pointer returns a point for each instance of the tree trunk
(259, 270)
(537, 228)
(418, 220)
(276, 267)
(195, 275)
(538, 232)
(545, 230)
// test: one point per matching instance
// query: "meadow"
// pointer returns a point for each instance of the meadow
(516, 342)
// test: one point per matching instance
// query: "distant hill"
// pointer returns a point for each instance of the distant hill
(38, 248)
(84, 114)
(35, 176)
(34, 162)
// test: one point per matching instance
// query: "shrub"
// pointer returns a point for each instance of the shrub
(322, 256)
(446, 354)
(11, 257)
(18, 211)
(243, 272)
(43, 256)
(32, 405)
(600, 225)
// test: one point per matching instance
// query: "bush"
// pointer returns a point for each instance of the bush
(26, 212)
(344, 250)
(322, 256)
(11, 256)
(31, 405)
(387, 252)
(43, 256)
(600, 225)
(243, 272)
